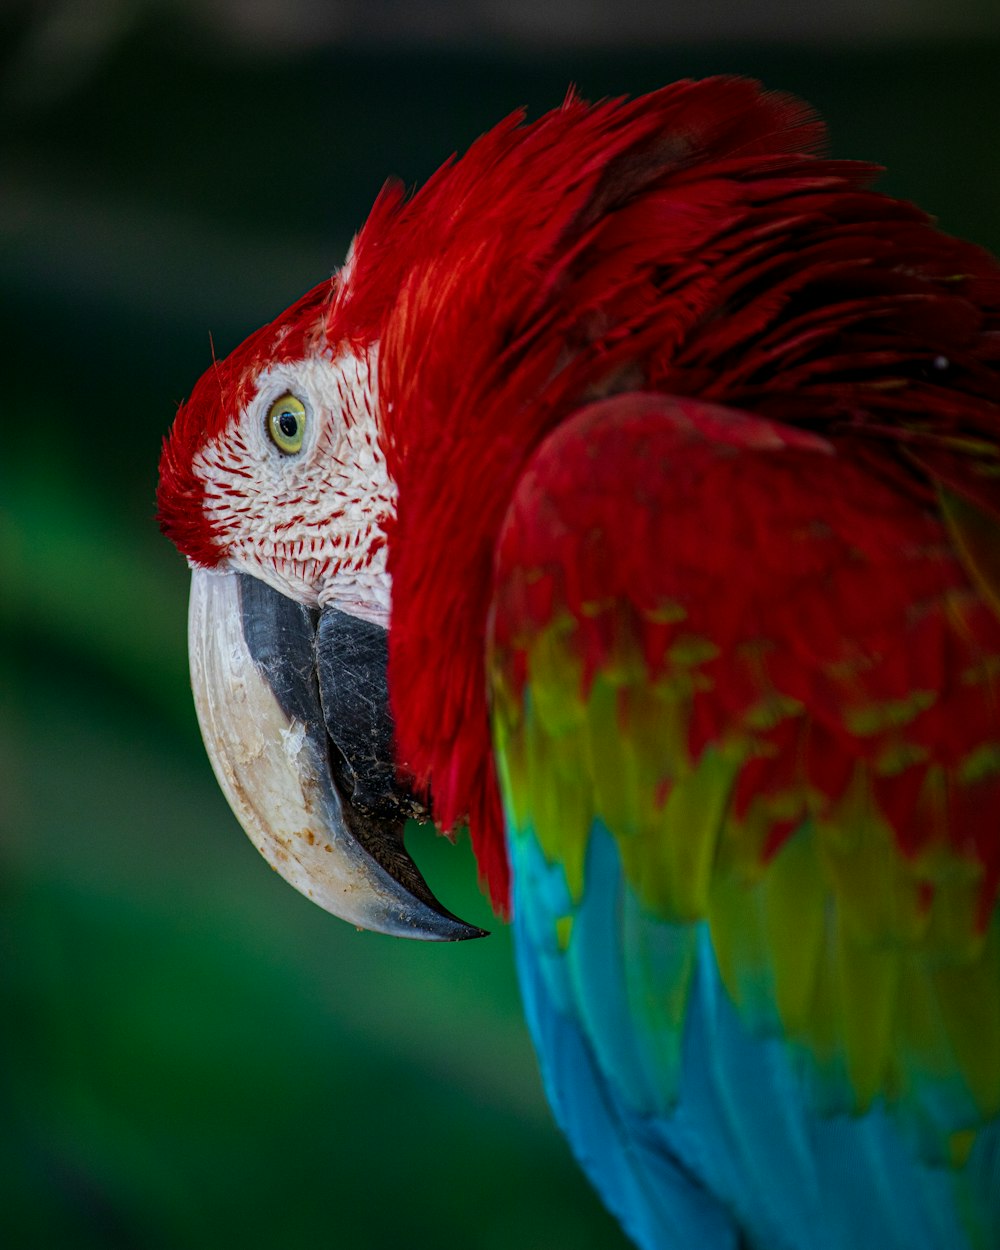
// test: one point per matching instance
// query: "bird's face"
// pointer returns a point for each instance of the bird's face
(274, 484)
(296, 488)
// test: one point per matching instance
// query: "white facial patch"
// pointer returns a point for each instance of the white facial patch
(310, 524)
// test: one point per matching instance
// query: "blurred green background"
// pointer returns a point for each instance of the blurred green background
(190, 1053)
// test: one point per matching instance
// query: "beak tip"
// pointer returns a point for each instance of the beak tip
(466, 932)
(436, 924)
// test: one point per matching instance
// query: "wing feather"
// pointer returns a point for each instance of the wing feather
(760, 674)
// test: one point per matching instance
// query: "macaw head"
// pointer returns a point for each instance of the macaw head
(274, 485)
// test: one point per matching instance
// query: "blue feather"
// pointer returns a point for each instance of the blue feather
(714, 1142)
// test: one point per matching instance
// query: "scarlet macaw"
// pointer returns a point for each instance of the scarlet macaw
(633, 495)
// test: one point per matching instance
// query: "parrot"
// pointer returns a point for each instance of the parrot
(630, 497)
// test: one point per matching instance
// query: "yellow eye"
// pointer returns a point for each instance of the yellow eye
(286, 424)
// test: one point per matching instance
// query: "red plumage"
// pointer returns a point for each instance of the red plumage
(689, 242)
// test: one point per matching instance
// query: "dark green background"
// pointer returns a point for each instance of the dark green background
(191, 1054)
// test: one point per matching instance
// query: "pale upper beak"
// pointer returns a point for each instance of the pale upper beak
(293, 708)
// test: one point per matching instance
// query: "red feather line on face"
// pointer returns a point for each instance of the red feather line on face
(222, 392)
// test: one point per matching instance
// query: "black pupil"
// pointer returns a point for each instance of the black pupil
(288, 424)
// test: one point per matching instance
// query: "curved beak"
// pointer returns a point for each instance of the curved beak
(293, 709)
